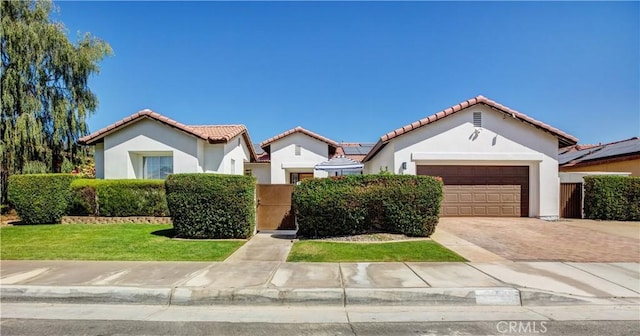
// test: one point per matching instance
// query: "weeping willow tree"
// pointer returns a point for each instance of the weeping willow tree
(45, 96)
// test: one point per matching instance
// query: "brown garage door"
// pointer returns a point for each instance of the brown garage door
(490, 191)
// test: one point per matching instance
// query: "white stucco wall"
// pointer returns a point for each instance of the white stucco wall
(502, 140)
(213, 157)
(284, 161)
(382, 161)
(120, 156)
(236, 149)
(261, 171)
(98, 159)
(123, 150)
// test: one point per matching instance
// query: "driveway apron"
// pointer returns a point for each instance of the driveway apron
(531, 239)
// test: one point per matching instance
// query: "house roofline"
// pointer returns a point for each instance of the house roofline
(564, 138)
(298, 129)
(99, 135)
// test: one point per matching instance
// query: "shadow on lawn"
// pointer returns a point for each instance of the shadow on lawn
(169, 233)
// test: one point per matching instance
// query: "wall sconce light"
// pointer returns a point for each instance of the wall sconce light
(403, 166)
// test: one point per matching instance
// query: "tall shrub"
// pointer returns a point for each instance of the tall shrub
(211, 205)
(330, 207)
(40, 198)
(360, 203)
(118, 198)
(612, 197)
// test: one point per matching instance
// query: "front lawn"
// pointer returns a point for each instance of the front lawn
(424, 250)
(107, 242)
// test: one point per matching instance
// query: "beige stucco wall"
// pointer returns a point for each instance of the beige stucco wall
(630, 166)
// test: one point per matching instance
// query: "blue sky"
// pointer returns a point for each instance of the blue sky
(353, 71)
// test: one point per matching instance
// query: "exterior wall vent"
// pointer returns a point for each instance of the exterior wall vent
(298, 150)
(477, 119)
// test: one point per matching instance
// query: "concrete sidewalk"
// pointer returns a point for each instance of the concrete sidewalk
(329, 284)
(264, 247)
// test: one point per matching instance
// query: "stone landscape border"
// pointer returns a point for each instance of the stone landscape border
(115, 220)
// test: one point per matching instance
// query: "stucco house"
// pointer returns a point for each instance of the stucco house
(149, 145)
(291, 156)
(494, 161)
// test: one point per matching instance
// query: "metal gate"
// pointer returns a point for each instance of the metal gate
(275, 211)
(571, 200)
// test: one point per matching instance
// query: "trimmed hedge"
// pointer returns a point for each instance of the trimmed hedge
(357, 204)
(118, 198)
(611, 197)
(211, 205)
(40, 198)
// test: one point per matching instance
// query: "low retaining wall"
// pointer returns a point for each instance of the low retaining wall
(114, 220)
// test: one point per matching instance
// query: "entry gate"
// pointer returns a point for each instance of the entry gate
(275, 211)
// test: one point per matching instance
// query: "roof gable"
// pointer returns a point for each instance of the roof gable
(210, 133)
(298, 130)
(563, 138)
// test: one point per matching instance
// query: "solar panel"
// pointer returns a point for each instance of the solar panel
(568, 157)
(362, 149)
(351, 150)
(626, 147)
(258, 149)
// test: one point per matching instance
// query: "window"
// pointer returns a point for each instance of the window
(477, 119)
(233, 166)
(298, 150)
(294, 178)
(157, 167)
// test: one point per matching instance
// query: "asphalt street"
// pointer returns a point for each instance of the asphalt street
(101, 327)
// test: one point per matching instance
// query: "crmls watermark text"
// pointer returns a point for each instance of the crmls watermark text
(522, 327)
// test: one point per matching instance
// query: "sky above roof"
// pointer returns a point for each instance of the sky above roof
(353, 71)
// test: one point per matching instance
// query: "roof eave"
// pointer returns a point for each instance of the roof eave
(376, 148)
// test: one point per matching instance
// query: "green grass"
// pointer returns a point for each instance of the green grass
(424, 250)
(107, 242)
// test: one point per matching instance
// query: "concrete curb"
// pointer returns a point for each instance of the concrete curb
(531, 297)
(258, 296)
(498, 296)
(86, 294)
(337, 297)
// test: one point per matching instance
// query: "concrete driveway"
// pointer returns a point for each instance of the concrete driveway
(530, 239)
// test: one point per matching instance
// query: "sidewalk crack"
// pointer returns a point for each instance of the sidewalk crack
(344, 291)
(418, 275)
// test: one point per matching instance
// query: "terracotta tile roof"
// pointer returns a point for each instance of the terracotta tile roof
(564, 138)
(219, 133)
(298, 130)
(263, 157)
(210, 133)
(578, 147)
